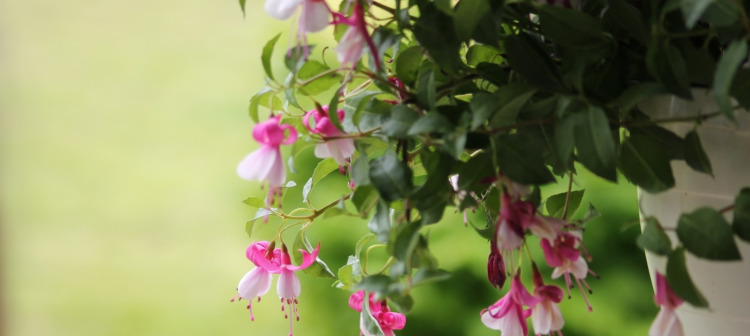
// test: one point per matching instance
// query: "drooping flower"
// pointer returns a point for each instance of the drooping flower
(353, 41)
(545, 314)
(496, 267)
(515, 217)
(288, 286)
(387, 320)
(265, 164)
(314, 17)
(666, 322)
(340, 149)
(564, 255)
(257, 282)
(507, 314)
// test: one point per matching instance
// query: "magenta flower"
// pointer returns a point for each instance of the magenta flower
(340, 149)
(507, 314)
(288, 286)
(666, 322)
(564, 255)
(257, 282)
(495, 267)
(545, 314)
(352, 43)
(265, 164)
(387, 320)
(515, 217)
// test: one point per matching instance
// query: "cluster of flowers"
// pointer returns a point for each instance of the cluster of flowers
(387, 320)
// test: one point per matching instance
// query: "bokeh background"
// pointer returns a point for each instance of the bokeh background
(121, 123)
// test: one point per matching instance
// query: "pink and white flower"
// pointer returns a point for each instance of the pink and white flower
(545, 314)
(508, 314)
(353, 42)
(564, 255)
(386, 319)
(314, 17)
(265, 164)
(257, 282)
(666, 322)
(288, 286)
(339, 148)
(515, 217)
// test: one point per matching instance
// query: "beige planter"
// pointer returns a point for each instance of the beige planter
(726, 285)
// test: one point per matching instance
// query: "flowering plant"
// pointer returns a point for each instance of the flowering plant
(474, 105)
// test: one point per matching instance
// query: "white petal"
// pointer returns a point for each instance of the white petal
(256, 165)
(281, 9)
(350, 48)
(490, 322)
(314, 16)
(546, 317)
(579, 268)
(510, 324)
(255, 283)
(288, 285)
(666, 324)
(341, 149)
(277, 174)
(321, 151)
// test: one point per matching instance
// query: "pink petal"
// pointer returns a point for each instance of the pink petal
(546, 317)
(315, 16)
(255, 283)
(307, 259)
(666, 324)
(257, 165)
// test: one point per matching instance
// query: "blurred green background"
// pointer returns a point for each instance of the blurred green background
(121, 124)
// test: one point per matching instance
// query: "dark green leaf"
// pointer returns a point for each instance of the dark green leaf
(723, 13)
(360, 170)
(680, 282)
(403, 303)
(520, 160)
(407, 237)
(668, 65)
(693, 10)
(467, 14)
(706, 234)
(333, 109)
(402, 118)
(725, 71)
(556, 203)
(564, 137)
(629, 19)
(407, 64)
(483, 106)
(570, 28)
(636, 93)
(317, 77)
(267, 50)
(426, 275)
(740, 88)
(380, 223)
(391, 177)
(511, 98)
(432, 122)
(596, 147)
(695, 157)
(645, 164)
(375, 283)
(365, 197)
(670, 143)
(474, 171)
(493, 73)
(654, 239)
(436, 33)
(531, 61)
(741, 223)
(426, 90)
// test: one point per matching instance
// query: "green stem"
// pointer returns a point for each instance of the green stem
(567, 196)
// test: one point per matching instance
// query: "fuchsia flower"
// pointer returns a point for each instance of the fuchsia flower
(495, 267)
(340, 149)
(666, 322)
(387, 320)
(352, 43)
(314, 15)
(257, 282)
(507, 314)
(545, 314)
(564, 255)
(265, 164)
(288, 286)
(515, 217)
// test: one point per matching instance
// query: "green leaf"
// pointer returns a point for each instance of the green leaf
(362, 243)
(426, 275)
(242, 6)
(636, 93)
(407, 237)
(511, 98)
(434, 30)
(475, 170)
(654, 238)
(375, 283)
(717, 12)
(360, 170)
(706, 234)
(432, 122)
(265, 98)
(564, 137)
(480, 53)
(483, 106)
(267, 50)
(380, 223)
(467, 14)
(432, 197)
(740, 87)
(596, 147)
(520, 160)
(319, 268)
(255, 202)
(532, 62)
(556, 203)
(667, 64)
(402, 118)
(741, 223)
(317, 77)
(391, 177)
(426, 90)
(629, 19)
(695, 157)
(672, 145)
(645, 164)
(365, 197)
(571, 28)
(261, 213)
(680, 282)
(692, 10)
(295, 57)
(724, 75)
(322, 170)
(403, 303)
(591, 214)
(349, 274)
(333, 108)
(407, 64)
